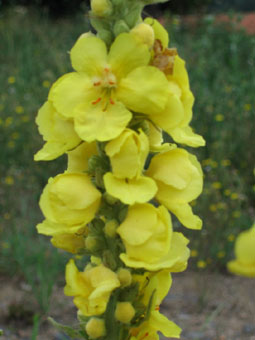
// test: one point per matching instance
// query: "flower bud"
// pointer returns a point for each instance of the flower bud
(124, 277)
(101, 8)
(92, 243)
(124, 312)
(144, 33)
(95, 328)
(120, 27)
(110, 228)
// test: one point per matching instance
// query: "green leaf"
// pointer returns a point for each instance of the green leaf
(71, 332)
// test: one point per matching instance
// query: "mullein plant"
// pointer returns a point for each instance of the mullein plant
(108, 116)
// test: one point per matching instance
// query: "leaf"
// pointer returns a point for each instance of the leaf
(71, 332)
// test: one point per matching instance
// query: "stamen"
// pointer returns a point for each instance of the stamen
(107, 69)
(145, 335)
(111, 101)
(111, 82)
(157, 308)
(98, 83)
(97, 101)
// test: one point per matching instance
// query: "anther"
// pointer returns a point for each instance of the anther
(111, 101)
(97, 101)
(98, 83)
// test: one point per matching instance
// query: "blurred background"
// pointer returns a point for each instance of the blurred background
(217, 40)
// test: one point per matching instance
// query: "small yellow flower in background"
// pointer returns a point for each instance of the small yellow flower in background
(221, 205)
(221, 254)
(214, 164)
(225, 162)
(19, 109)
(8, 121)
(216, 185)
(5, 245)
(46, 84)
(201, 264)
(15, 135)
(11, 80)
(228, 88)
(231, 237)
(176, 21)
(227, 192)
(1, 107)
(11, 144)
(213, 207)
(7, 216)
(234, 196)
(247, 107)
(244, 264)
(25, 119)
(236, 214)
(9, 180)
(219, 117)
(206, 162)
(194, 253)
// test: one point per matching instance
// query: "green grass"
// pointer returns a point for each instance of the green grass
(34, 53)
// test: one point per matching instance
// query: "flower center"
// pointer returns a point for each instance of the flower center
(106, 85)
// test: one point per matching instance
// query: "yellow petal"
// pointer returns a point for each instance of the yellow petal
(160, 32)
(126, 54)
(187, 136)
(245, 247)
(89, 55)
(161, 323)
(130, 191)
(238, 268)
(51, 229)
(51, 150)
(144, 90)
(78, 158)
(69, 242)
(94, 123)
(71, 90)
(184, 214)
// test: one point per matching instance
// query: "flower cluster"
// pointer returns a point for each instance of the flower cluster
(113, 202)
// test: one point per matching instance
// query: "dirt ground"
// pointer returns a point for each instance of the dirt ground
(205, 306)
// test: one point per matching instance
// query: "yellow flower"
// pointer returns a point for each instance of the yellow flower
(11, 80)
(127, 154)
(221, 254)
(244, 264)
(46, 84)
(219, 117)
(236, 214)
(69, 242)
(91, 288)
(11, 144)
(8, 121)
(179, 178)
(227, 192)
(159, 285)
(9, 180)
(194, 253)
(65, 206)
(201, 264)
(231, 237)
(149, 240)
(234, 196)
(216, 185)
(247, 107)
(213, 207)
(58, 133)
(225, 162)
(19, 109)
(177, 114)
(105, 88)
(155, 137)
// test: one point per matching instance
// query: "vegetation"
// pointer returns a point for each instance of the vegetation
(220, 61)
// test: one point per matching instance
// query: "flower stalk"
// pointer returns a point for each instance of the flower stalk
(122, 183)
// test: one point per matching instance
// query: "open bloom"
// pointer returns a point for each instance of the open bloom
(100, 95)
(127, 154)
(158, 286)
(149, 240)
(57, 131)
(91, 288)
(177, 114)
(179, 179)
(69, 201)
(244, 264)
